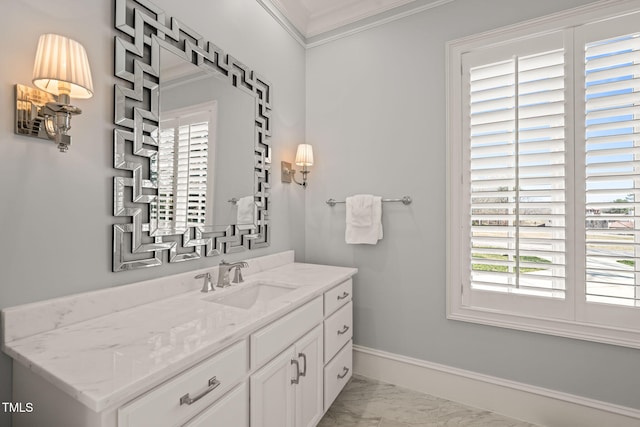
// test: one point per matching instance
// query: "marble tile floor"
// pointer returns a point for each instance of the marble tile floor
(369, 403)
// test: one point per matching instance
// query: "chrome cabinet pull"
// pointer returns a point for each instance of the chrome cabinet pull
(343, 296)
(213, 384)
(344, 373)
(304, 359)
(344, 330)
(296, 380)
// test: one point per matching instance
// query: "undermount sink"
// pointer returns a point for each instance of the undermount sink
(251, 294)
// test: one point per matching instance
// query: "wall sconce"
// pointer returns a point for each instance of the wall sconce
(62, 72)
(304, 158)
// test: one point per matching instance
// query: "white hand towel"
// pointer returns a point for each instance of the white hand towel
(360, 210)
(364, 219)
(245, 207)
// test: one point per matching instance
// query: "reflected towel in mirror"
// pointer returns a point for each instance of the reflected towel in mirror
(246, 207)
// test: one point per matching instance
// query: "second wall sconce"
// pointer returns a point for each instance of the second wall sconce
(304, 158)
(61, 72)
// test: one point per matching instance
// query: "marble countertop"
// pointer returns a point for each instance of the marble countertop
(107, 360)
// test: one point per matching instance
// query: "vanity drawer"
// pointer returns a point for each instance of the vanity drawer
(272, 339)
(169, 404)
(337, 373)
(337, 297)
(338, 329)
(230, 410)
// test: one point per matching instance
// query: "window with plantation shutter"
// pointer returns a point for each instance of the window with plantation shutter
(184, 187)
(544, 178)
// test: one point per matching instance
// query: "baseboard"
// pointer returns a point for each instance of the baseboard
(521, 401)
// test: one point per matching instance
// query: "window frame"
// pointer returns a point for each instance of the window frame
(589, 327)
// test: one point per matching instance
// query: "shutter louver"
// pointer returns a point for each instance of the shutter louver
(517, 175)
(198, 160)
(612, 170)
(166, 203)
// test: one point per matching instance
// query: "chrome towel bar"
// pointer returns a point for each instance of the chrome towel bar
(406, 200)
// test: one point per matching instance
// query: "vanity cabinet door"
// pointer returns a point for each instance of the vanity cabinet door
(272, 392)
(288, 391)
(309, 391)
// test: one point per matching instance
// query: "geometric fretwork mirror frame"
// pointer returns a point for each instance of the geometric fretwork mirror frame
(143, 31)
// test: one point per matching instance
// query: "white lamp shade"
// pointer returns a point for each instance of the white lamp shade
(60, 59)
(304, 155)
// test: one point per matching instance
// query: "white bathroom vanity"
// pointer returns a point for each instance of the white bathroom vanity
(273, 351)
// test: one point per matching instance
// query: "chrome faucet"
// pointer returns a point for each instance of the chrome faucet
(223, 273)
(206, 284)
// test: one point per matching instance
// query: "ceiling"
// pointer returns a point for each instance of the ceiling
(314, 17)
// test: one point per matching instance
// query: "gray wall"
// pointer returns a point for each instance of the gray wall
(55, 216)
(376, 116)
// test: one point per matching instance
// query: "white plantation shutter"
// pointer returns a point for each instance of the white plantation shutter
(165, 205)
(517, 175)
(612, 169)
(197, 172)
(183, 170)
(493, 175)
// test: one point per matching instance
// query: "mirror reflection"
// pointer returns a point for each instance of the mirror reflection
(205, 163)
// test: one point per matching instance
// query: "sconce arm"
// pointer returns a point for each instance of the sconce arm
(289, 174)
(304, 173)
(57, 117)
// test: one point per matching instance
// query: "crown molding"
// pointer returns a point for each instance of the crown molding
(346, 13)
(281, 19)
(337, 23)
(380, 19)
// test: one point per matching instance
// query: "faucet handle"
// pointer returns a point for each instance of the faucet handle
(206, 284)
(223, 262)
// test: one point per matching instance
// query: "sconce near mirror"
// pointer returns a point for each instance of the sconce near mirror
(61, 72)
(304, 158)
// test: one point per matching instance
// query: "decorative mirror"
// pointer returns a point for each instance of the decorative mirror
(191, 144)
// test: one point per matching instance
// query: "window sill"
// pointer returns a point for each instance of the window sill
(556, 327)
